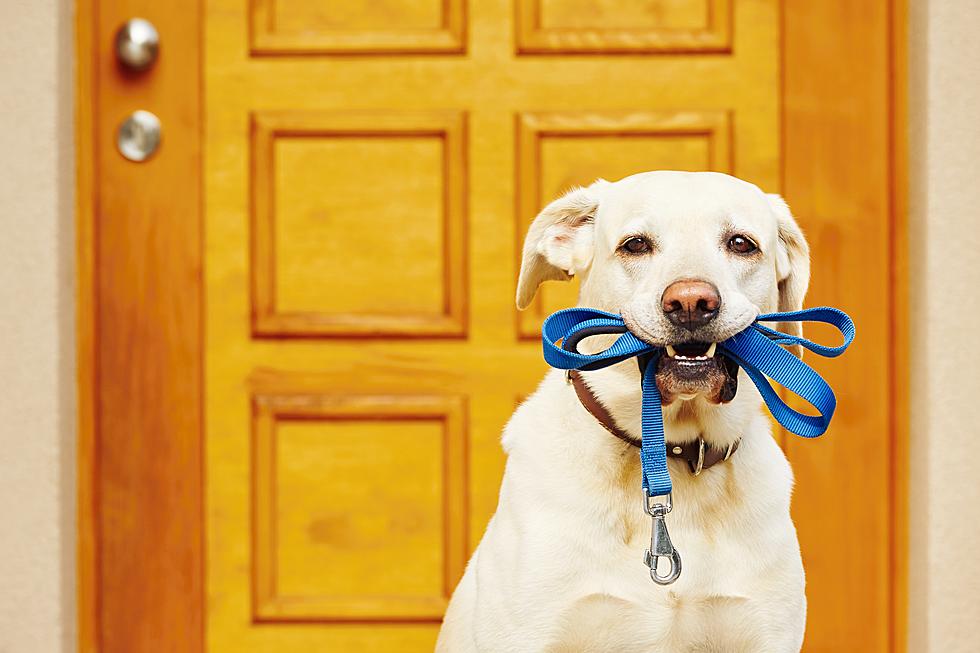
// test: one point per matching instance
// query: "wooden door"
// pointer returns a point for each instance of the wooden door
(371, 169)
(368, 171)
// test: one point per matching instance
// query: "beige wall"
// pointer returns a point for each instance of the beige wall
(944, 108)
(36, 327)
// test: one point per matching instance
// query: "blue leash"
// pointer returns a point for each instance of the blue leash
(758, 350)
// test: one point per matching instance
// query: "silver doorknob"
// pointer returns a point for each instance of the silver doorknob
(139, 136)
(137, 44)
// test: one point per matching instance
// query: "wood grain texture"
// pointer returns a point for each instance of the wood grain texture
(378, 318)
(534, 36)
(379, 30)
(839, 179)
(141, 523)
(406, 573)
(901, 314)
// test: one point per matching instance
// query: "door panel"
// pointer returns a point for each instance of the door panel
(329, 197)
(404, 457)
(619, 26)
(363, 220)
(370, 171)
(289, 27)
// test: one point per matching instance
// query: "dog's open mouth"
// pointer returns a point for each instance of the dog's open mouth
(696, 368)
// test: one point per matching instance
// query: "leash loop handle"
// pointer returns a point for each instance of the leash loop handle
(565, 325)
(825, 314)
(757, 350)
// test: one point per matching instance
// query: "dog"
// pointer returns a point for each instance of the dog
(688, 259)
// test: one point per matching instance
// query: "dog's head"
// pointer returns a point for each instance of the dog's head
(688, 259)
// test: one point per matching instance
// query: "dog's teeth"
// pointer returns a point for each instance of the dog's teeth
(702, 358)
(711, 350)
(671, 352)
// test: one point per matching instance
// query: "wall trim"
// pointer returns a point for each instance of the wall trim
(140, 341)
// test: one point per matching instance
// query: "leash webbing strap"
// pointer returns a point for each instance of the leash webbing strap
(758, 350)
(653, 448)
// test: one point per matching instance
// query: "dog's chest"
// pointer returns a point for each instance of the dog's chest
(617, 607)
(668, 622)
(655, 619)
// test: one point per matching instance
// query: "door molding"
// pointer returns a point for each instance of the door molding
(140, 349)
(813, 158)
(139, 325)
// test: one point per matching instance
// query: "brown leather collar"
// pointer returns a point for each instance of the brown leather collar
(698, 454)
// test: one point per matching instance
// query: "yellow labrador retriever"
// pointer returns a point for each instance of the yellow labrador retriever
(688, 259)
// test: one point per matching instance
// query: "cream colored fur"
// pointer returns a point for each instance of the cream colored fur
(560, 568)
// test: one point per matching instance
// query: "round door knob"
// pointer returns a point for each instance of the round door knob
(137, 44)
(139, 136)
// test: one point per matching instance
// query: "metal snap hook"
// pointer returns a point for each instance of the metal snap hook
(660, 545)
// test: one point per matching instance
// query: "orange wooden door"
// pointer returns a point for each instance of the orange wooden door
(368, 171)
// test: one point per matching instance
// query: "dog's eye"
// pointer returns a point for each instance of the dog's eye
(741, 244)
(636, 245)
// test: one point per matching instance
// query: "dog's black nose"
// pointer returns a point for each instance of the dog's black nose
(690, 303)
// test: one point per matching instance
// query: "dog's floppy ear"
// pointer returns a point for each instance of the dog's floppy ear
(792, 265)
(559, 242)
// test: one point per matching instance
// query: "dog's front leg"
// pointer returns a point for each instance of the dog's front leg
(456, 634)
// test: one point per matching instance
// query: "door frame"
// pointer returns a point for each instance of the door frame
(126, 363)
(140, 339)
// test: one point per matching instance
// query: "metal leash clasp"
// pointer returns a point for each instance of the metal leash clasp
(660, 546)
